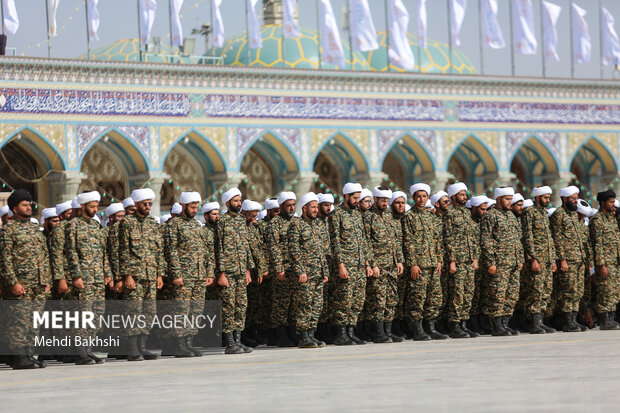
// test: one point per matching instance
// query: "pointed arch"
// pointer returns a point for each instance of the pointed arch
(534, 163)
(131, 155)
(471, 161)
(203, 149)
(38, 146)
(269, 139)
(413, 161)
(593, 164)
(608, 161)
(348, 149)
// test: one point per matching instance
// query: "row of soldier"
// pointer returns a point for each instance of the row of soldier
(369, 269)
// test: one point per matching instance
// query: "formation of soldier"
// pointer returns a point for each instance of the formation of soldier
(369, 269)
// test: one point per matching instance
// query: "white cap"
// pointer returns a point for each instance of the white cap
(128, 202)
(378, 193)
(96, 218)
(468, 204)
(569, 191)
(456, 188)
(428, 204)
(75, 204)
(286, 196)
(309, 197)
(541, 190)
(407, 207)
(329, 198)
(366, 194)
(176, 209)
(396, 195)
(420, 187)
(5, 210)
(210, 206)
(476, 201)
(189, 197)
(87, 197)
(351, 188)
(261, 215)
(504, 192)
(550, 211)
(114, 208)
(271, 204)
(436, 197)
(528, 203)
(63, 207)
(34, 221)
(491, 203)
(164, 218)
(142, 194)
(517, 198)
(230, 194)
(583, 207)
(48, 213)
(617, 203)
(248, 205)
(593, 211)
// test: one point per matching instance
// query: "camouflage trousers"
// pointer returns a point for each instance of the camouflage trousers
(234, 303)
(461, 286)
(348, 297)
(589, 292)
(141, 301)
(607, 289)
(186, 299)
(283, 304)
(265, 291)
(89, 298)
(309, 302)
(252, 316)
(326, 311)
(501, 290)
(382, 297)
(421, 298)
(538, 288)
(477, 299)
(20, 331)
(444, 278)
(570, 287)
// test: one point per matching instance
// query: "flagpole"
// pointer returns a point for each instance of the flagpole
(387, 35)
(170, 22)
(600, 25)
(283, 45)
(47, 15)
(512, 38)
(350, 34)
(139, 31)
(543, 43)
(450, 68)
(481, 37)
(2, 14)
(247, 30)
(318, 27)
(572, 46)
(87, 30)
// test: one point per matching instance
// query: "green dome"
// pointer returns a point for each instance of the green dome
(300, 52)
(128, 50)
(435, 58)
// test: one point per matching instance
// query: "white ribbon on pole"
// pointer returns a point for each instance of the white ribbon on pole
(363, 32)
(399, 53)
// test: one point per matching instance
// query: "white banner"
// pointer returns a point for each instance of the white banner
(93, 19)
(256, 40)
(456, 19)
(291, 28)
(11, 20)
(147, 17)
(493, 36)
(523, 15)
(399, 53)
(581, 36)
(218, 24)
(330, 36)
(551, 15)
(422, 23)
(175, 17)
(363, 32)
(53, 7)
(611, 46)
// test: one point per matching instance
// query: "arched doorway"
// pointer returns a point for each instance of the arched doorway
(533, 165)
(471, 162)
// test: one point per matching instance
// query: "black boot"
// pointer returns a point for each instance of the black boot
(30, 354)
(292, 333)
(498, 327)
(612, 318)
(484, 323)
(260, 339)
(231, 345)
(306, 341)
(318, 342)
(237, 336)
(121, 352)
(97, 360)
(505, 322)
(474, 323)
(168, 347)
(352, 336)
(272, 337)
(142, 348)
(342, 338)
(432, 331)
(417, 331)
(248, 339)
(283, 338)
(363, 331)
(22, 363)
(471, 333)
(388, 332)
(456, 331)
(397, 330)
(568, 326)
(535, 326)
(606, 323)
(195, 351)
(133, 353)
(581, 326)
(83, 359)
(379, 334)
(180, 348)
(548, 330)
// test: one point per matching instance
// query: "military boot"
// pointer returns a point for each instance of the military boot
(612, 318)
(352, 336)
(38, 362)
(535, 326)
(417, 331)
(548, 330)
(306, 341)
(142, 348)
(231, 345)
(93, 356)
(283, 339)
(342, 339)
(484, 322)
(180, 348)
(247, 338)
(318, 342)
(237, 336)
(432, 331)
(581, 326)
(133, 353)
(456, 331)
(168, 347)
(505, 323)
(471, 333)
(363, 330)
(388, 332)
(379, 334)
(272, 337)
(83, 359)
(22, 362)
(194, 350)
(567, 325)
(606, 323)
(397, 330)
(498, 327)
(474, 322)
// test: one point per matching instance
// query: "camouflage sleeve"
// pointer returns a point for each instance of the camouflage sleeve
(596, 239)
(71, 246)
(107, 270)
(256, 246)
(334, 235)
(408, 241)
(476, 241)
(112, 251)
(488, 243)
(439, 247)
(293, 237)
(46, 276)
(57, 251)
(276, 264)
(449, 238)
(557, 223)
(249, 253)
(6, 263)
(209, 254)
(171, 255)
(123, 247)
(160, 260)
(368, 219)
(527, 236)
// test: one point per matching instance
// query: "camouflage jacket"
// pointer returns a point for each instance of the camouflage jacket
(439, 236)
(58, 256)
(477, 233)
(185, 249)
(306, 248)
(209, 234)
(86, 251)
(587, 245)
(112, 251)
(460, 235)
(279, 260)
(396, 225)
(568, 235)
(141, 248)
(387, 252)
(257, 246)
(419, 235)
(24, 259)
(500, 239)
(232, 249)
(349, 244)
(324, 226)
(537, 240)
(605, 239)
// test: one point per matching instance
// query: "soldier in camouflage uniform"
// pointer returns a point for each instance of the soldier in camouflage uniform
(306, 251)
(326, 204)
(422, 293)
(233, 264)
(461, 251)
(24, 278)
(352, 260)
(586, 308)
(394, 315)
(440, 203)
(478, 206)
(264, 328)
(50, 220)
(130, 206)
(568, 237)
(141, 256)
(605, 238)
(540, 258)
(502, 257)
(211, 214)
(58, 257)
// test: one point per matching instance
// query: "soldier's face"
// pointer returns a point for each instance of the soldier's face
(23, 210)
(382, 203)
(479, 211)
(544, 200)
(288, 207)
(420, 198)
(6, 219)
(517, 208)
(116, 217)
(273, 212)
(311, 210)
(504, 202)
(51, 223)
(352, 200)
(234, 205)
(68, 214)
(460, 198)
(325, 208)
(571, 202)
(130, 210)
(190, 210)
(212, 216)
(143, 208)
(90, 209)
(250, 216)
(443, 203)
(365, 204)
(609, 206)
(398, 206)
(77, 212)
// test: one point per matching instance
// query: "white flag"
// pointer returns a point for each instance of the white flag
(175, 19)
(551, 15)
(363, 32)
(147, 17)
(218, 24)
(330, 36)
(422, 23)
(611, 46)
(53, 7)
(456, 19)
(581, 36)
(291, 28)
(256, 40)
(93, 19)
(11, 21)
(523, 15)
(400, 53)
(493, 36)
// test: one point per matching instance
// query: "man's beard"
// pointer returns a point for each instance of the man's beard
(234, 209)
(572, 207)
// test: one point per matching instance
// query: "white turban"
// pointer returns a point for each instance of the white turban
(248, 205)
(528, 203)
(378, 193)
(128, 202)
(230, 194)
(63, 207)
(366, 194)
(164, 218)
(87, 197)
(617, 203)
(75, 204)
(4, 210)
(329, 198)
(96, 218)
(476, 201)
(142, 194)
(541, 190)
(113, 209)
(517, 198)
(309, 197)
(456, 188)
(176, 209)
(436, 197)
(504, 192)
(271, 204)
(583, 207)
(261, 215)
(568, 191)
(210, 206)
(420, 187)
(396, 195)
(491, 203)
(351, 188)
(407, 207)
(48, 213)
(428, 204)
(468, 204)
(189, 197)
(550, 211)
(593, 211)
(34, 221)
(286, 196)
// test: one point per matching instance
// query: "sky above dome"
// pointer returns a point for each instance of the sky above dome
(119, 21)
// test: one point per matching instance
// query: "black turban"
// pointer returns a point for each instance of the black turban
(17, 197)
(605, 195)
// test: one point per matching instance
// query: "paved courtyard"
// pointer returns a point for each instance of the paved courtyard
(559, 372)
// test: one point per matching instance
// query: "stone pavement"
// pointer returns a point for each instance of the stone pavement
(568, 372)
